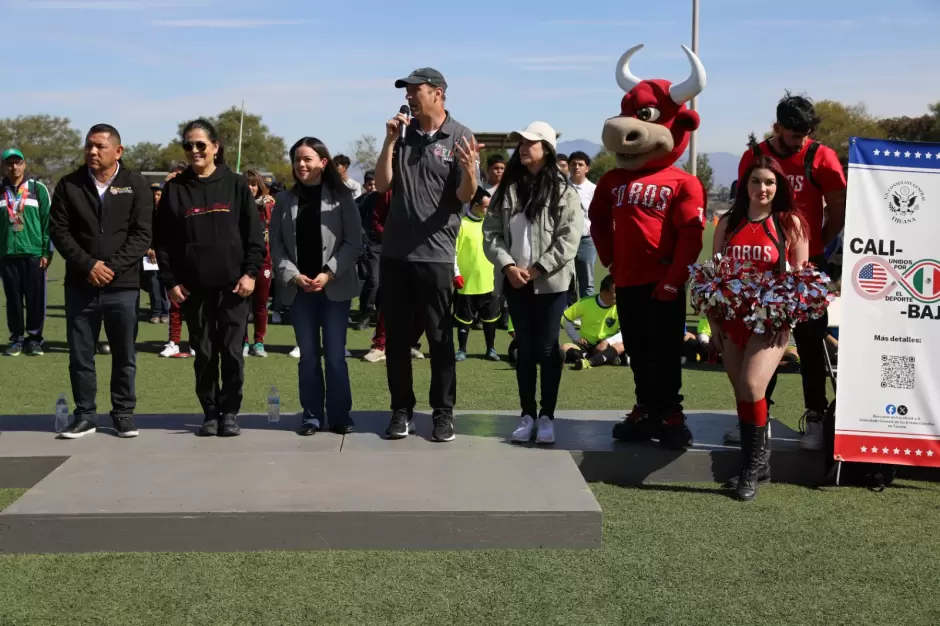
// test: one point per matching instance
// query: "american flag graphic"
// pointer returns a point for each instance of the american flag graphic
(872, 278)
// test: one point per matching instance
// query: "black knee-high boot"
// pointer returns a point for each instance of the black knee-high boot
(753, 440)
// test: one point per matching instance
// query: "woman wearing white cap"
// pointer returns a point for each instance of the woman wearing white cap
(531, 233)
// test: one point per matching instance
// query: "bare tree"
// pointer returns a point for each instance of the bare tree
(366, 152)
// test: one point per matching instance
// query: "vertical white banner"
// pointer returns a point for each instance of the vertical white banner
(888, 400)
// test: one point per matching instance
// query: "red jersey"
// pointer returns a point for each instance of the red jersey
(649, 225)
(757, 242)
(827, 173)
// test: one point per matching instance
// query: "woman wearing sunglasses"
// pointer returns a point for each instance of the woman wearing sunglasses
(316, 238)
(210, 249)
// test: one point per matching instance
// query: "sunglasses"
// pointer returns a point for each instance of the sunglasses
(199, 146)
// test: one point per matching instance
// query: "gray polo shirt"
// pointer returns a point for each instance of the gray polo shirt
(424, 216)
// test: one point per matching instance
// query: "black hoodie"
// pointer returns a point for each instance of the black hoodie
(208, 233)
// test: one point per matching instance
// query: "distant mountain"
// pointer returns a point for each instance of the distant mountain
(582, 145)
(724, 164)
(724, 167)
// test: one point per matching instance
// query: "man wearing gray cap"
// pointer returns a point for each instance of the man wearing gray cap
(430, 164)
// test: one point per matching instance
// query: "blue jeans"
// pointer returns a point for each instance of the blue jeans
(159, 301)
(314, 315)
(584, 267)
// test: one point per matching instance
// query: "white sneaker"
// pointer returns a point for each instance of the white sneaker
(525, 430)
(546, 431)
(374, 355)
(348, 354)
(416, 354)
(295, 353)
(275, 318)
(245, 350)
(734, 435)
(170, 349)
(813, 437)
(192, 352)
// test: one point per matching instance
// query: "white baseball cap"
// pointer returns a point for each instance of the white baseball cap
(536, 131)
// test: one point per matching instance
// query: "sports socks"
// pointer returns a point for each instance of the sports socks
(753, 412)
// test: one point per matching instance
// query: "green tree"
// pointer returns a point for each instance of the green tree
(923, 128)
(365, 152)
(602, 163)
(841, 121)
(752, 140)
(259, 145)
(50, 144)
(145, 156)
(703, 171)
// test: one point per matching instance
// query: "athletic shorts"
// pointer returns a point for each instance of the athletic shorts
(484, 305)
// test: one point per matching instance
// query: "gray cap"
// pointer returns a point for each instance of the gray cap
(424, 75)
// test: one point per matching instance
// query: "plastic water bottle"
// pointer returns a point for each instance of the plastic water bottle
(274, 406)
(61, 413)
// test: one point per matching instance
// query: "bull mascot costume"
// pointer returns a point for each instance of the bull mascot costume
(647, 221)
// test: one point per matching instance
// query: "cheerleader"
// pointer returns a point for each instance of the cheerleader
(763, 229)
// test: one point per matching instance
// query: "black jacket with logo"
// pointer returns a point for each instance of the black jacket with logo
(116, 228)
(208, 232)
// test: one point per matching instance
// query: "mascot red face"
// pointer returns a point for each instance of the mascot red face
(654, 125)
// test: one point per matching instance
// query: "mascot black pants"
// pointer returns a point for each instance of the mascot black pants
(653, 335)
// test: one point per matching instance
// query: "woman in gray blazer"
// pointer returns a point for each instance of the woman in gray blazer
(316, 237)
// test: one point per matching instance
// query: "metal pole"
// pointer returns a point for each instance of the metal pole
(693, 149)
(241, 127)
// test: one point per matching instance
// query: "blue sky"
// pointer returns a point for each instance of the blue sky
(327, 68)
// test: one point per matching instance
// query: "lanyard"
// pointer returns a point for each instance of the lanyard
(12, 201)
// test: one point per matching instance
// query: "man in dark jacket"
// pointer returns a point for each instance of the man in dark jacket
(100, 223)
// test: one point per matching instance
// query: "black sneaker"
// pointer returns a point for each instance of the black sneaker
(638, 426)
(33, 348)
(443, 428)
(229, 426)
(78, 429)
(401, 425)
(125, 427)
(209, 428)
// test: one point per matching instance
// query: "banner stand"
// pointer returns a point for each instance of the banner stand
(888, 412)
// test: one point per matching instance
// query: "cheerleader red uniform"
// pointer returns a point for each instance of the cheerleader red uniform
(763, 245)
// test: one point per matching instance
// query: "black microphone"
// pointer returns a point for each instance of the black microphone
(404, 110)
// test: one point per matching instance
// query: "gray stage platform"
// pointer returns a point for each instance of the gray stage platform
(168, 490)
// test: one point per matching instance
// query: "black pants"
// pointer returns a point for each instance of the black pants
(23, 279)
(370, 282)
(810, 337)
(653, 335)
(426, 289)
(217, 321)
(86, 307)
(536, 319)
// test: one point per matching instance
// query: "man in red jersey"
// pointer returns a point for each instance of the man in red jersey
(647, 220)
(818, 183)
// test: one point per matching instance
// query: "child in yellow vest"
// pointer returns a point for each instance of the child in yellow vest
(475, 280)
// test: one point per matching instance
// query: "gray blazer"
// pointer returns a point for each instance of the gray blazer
(341, 232)
(555, 239)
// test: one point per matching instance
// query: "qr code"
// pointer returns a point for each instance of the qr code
(897, 372)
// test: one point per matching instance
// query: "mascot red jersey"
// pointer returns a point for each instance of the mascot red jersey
(647, 220)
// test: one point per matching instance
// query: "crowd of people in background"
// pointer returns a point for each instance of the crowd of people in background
(431, 239)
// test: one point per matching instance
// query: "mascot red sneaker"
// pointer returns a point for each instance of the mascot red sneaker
(647, 221)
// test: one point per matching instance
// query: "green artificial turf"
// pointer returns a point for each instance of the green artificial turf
(678, 554)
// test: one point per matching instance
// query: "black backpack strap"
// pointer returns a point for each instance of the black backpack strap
(808, 160)
(780, 240)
